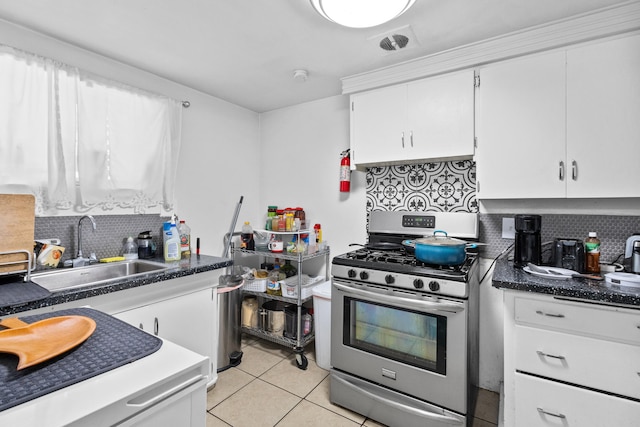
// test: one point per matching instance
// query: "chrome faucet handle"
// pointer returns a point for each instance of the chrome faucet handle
(93, 258)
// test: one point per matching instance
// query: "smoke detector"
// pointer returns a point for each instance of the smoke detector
(396, 40)
(300, 76)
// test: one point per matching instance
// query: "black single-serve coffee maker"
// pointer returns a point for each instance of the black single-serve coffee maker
(528, 246)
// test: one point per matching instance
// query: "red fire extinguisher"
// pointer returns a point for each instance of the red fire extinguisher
(345, 172)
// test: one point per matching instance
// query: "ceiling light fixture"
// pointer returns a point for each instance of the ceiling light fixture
(361, 13)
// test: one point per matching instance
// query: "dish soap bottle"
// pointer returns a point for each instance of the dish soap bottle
(130, 249)
(185, 239)
(592, 246)
(171, 241)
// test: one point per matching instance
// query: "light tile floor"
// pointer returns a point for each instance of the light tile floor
(267, 389)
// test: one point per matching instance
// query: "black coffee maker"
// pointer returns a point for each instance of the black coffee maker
(527, 245)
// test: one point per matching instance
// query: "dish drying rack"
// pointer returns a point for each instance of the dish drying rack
(29, 262)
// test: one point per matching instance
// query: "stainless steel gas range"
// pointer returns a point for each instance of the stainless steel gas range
(404, 344)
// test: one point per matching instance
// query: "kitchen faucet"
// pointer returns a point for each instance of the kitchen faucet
(80, 260)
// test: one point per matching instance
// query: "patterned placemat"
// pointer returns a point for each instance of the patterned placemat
(113, 344)
(18, 293)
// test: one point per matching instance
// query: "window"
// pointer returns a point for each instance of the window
(81, 143)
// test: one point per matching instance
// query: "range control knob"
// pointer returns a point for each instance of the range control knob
(434, 286)
(364, 275)
(389, 279)
(418, 283)
(351, 273)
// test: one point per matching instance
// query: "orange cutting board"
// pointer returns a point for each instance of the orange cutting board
(36, 342)
(17, 225)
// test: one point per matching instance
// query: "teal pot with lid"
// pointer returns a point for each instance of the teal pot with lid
(439, 249)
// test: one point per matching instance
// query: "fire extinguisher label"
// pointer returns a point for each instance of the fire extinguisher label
(345, 173)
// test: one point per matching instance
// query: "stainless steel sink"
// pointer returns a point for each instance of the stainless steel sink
(94, 274)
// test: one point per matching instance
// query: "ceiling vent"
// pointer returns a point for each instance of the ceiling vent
(397, 40)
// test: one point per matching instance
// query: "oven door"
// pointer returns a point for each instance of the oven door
(408, 341)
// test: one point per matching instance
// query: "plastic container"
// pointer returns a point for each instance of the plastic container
(246, 237)
(322, 317)
(291, 321)
(592, 249)
(130, 249)
(250, 312)
(185, 239)
(171, 241)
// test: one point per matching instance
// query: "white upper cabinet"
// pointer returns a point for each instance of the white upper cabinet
(603, 118)
(521, 128)
(429, 119)
(562, 124)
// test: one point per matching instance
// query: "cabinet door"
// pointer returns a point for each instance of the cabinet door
(603, 118)
(378, 121)
(188, 320)
(521, 128)
(441, 118)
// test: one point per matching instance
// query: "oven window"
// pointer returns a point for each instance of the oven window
(408, 336)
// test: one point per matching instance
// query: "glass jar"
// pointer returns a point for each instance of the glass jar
(302, 216)
(250, 312)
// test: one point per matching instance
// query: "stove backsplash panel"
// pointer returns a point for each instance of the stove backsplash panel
(428, 187)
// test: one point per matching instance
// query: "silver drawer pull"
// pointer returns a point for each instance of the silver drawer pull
(542, 411)
(542, 313)
(543, 354)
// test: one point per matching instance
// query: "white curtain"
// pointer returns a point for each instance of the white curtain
(80, 142)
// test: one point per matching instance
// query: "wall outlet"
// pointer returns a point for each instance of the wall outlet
(508, 228)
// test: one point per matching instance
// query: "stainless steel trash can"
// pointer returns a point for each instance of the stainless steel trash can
(229, 329)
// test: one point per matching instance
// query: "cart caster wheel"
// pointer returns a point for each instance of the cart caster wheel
(301, 361)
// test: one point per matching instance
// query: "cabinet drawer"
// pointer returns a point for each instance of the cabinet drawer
(611, 323)
(603, 365)
(546, 403)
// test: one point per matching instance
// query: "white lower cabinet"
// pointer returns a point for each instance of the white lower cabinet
(569, 363)
(541, 402)
(180, 320)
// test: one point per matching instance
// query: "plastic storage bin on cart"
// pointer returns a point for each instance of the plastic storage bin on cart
(322, 319)
(229, 315)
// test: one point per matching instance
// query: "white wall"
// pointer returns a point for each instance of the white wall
(300, 157)
(220, 141)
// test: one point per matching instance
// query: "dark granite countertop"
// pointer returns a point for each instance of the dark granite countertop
(196, 264)
(506, 276)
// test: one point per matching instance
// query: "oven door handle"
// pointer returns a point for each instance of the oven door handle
(400, 406)
(404, 302)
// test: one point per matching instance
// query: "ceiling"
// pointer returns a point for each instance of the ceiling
(246, 51)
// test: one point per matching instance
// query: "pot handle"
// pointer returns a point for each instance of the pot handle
(410, 243)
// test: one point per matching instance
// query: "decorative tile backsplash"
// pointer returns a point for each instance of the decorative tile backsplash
(451, 187)
(428, 187)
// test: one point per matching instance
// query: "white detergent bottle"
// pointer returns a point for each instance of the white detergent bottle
(171, 241)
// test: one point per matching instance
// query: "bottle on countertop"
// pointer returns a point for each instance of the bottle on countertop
(171, 240)
(185, 239)
(246, 237)
(592, 248)
(130, 249)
